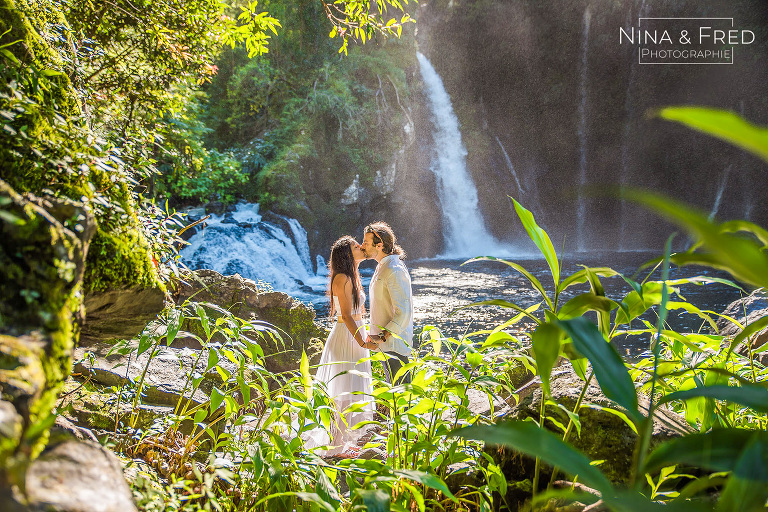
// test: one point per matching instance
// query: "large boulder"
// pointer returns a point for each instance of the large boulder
(747, 311)
(244, 299)
(74, 476)
(121, 313)
(42, 261)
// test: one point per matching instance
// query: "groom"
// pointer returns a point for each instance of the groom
(391, 328)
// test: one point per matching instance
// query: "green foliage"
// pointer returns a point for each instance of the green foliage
(723, 125)
(702, 376)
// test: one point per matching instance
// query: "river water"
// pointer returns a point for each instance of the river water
(441, 287)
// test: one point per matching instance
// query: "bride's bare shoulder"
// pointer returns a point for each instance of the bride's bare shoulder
(340, 280)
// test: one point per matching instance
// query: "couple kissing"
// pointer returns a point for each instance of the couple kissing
(389, 331)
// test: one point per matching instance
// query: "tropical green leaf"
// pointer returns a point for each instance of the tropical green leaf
(746, 489)
(306, 378)
(609, 369)
(580, 276)
(427, 479)
(541, 239)
(528, 438)
(546, 349)
(743, 226)
(584, 302)
(217, 396)
(741, 257)
(722, 124)
(754, 397)
(638, 303)
(325, 488)
(174, 324)
(375, 500)
(717, 450)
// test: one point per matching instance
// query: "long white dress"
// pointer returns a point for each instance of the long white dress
(341, 354)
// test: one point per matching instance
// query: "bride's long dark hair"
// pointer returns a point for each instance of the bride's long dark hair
(343, 262)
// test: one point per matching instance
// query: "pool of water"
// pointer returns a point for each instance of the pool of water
(442, 287)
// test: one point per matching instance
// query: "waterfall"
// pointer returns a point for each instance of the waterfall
(242, 242)
(301, 243)
(582, 131)
(719, 195)
(464, 231)
(512, 170)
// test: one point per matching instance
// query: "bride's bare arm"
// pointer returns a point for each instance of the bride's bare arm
(342, 288)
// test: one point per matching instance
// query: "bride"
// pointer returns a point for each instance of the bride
(342, 351)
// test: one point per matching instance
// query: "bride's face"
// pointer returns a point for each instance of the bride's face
(357, 252)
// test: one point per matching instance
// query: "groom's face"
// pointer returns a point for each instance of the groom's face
(368, 247)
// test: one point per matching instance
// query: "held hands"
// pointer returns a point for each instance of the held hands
(373, 341)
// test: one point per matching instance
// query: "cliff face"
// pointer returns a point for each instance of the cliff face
(549, 101)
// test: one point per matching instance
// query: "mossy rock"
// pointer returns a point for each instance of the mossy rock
(296, 330)
(41, 268)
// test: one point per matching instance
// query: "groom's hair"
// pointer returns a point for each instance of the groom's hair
(383, 234)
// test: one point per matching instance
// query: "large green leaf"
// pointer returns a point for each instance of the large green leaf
(580, 276)
(743, 257)
(638, 303)
(326, 489)
(609, 369)
(746, 489)
(546, 349)
(375, 500)
(722, 124)
(584, 302)
(754, 397)
(528, 438)
(717, 450)
(427, 479)
(541, 239)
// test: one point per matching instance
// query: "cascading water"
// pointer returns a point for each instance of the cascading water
(241, 242)
(719, 195)
(582, 208)
(511, 168)
(464, 231)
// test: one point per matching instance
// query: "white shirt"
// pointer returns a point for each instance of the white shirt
(392, 305)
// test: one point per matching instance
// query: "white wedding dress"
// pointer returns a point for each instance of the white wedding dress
(341, 354)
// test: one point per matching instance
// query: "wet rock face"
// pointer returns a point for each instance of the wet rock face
(42, 262)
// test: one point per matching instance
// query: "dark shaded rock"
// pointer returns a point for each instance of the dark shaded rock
(244, 299)
(747, 311)
(120, 314)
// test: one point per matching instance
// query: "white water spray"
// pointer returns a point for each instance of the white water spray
(463, 227)
(242, 243)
